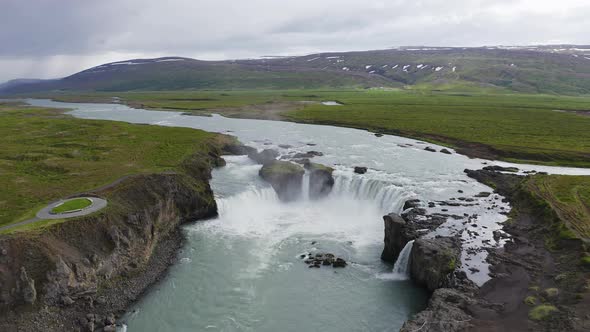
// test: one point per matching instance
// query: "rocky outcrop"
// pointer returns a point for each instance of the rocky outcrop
(434, 260)
(323, 259)
(496, 168)
(445, 151)
(411, 203)
(264, 157)
(446, 312)
(285, 178)
(25, 288)
(395, 237)
(413, 223)
(238, 149)
(306, 155)
(98, 264)
(321, 180)
(360, 169)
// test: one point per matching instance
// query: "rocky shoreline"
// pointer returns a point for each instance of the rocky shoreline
(533, 288)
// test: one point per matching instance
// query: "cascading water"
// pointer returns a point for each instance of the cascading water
(388, 196)
(305, 186)
(242, 271)
(401, 269)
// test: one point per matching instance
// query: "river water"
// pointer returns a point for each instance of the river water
(242, 271)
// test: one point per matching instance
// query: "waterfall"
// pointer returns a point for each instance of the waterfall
(401, 269)
(246, 199)
(388, 196)
(305, 186)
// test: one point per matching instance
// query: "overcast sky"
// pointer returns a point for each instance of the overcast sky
(55, 38)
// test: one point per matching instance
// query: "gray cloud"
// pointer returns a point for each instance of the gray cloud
(52, 38)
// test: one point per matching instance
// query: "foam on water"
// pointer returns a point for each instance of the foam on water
(401, 269)
(239, 263)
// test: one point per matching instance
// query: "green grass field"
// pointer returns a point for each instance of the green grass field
(72, 205)
(507, 126)
(520, 128)
(569, 197)
(45, 155)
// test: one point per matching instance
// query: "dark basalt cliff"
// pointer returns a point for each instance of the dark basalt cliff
(80, 274)
(532, 287)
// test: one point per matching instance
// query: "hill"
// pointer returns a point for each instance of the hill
(556, 69)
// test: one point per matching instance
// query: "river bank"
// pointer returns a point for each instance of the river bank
(511, 127)
(267, 237)
(84, 273)
(539, 277)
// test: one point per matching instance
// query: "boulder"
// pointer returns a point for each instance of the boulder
(445, 151)
(321, 180)
(339, 262)
(308, 154)
(238, 149)
(264, 157)
(434, 260)
(501, 169)
(360, 170)
(395, 238)
(429, 149)
(285, 178)
(399, 230)
(412, 203)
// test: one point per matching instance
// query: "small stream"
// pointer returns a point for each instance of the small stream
(242, 271)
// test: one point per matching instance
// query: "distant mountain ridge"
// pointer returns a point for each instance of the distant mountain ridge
(560, 69)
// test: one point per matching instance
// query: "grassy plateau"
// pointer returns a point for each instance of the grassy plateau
(46, 155)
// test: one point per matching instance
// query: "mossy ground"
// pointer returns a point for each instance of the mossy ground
(46, 155)
(542, 312)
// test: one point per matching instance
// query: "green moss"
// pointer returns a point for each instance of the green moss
(585, 261)
(542, 312)
(530, 300)
(277, 168)
(550, 293)
(319, 167)
(567, 234)
(452, 264)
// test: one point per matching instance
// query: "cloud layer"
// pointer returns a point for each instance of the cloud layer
(53, 38)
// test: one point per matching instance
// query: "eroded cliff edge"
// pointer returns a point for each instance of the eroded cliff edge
(82, 273)
(539, 278)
